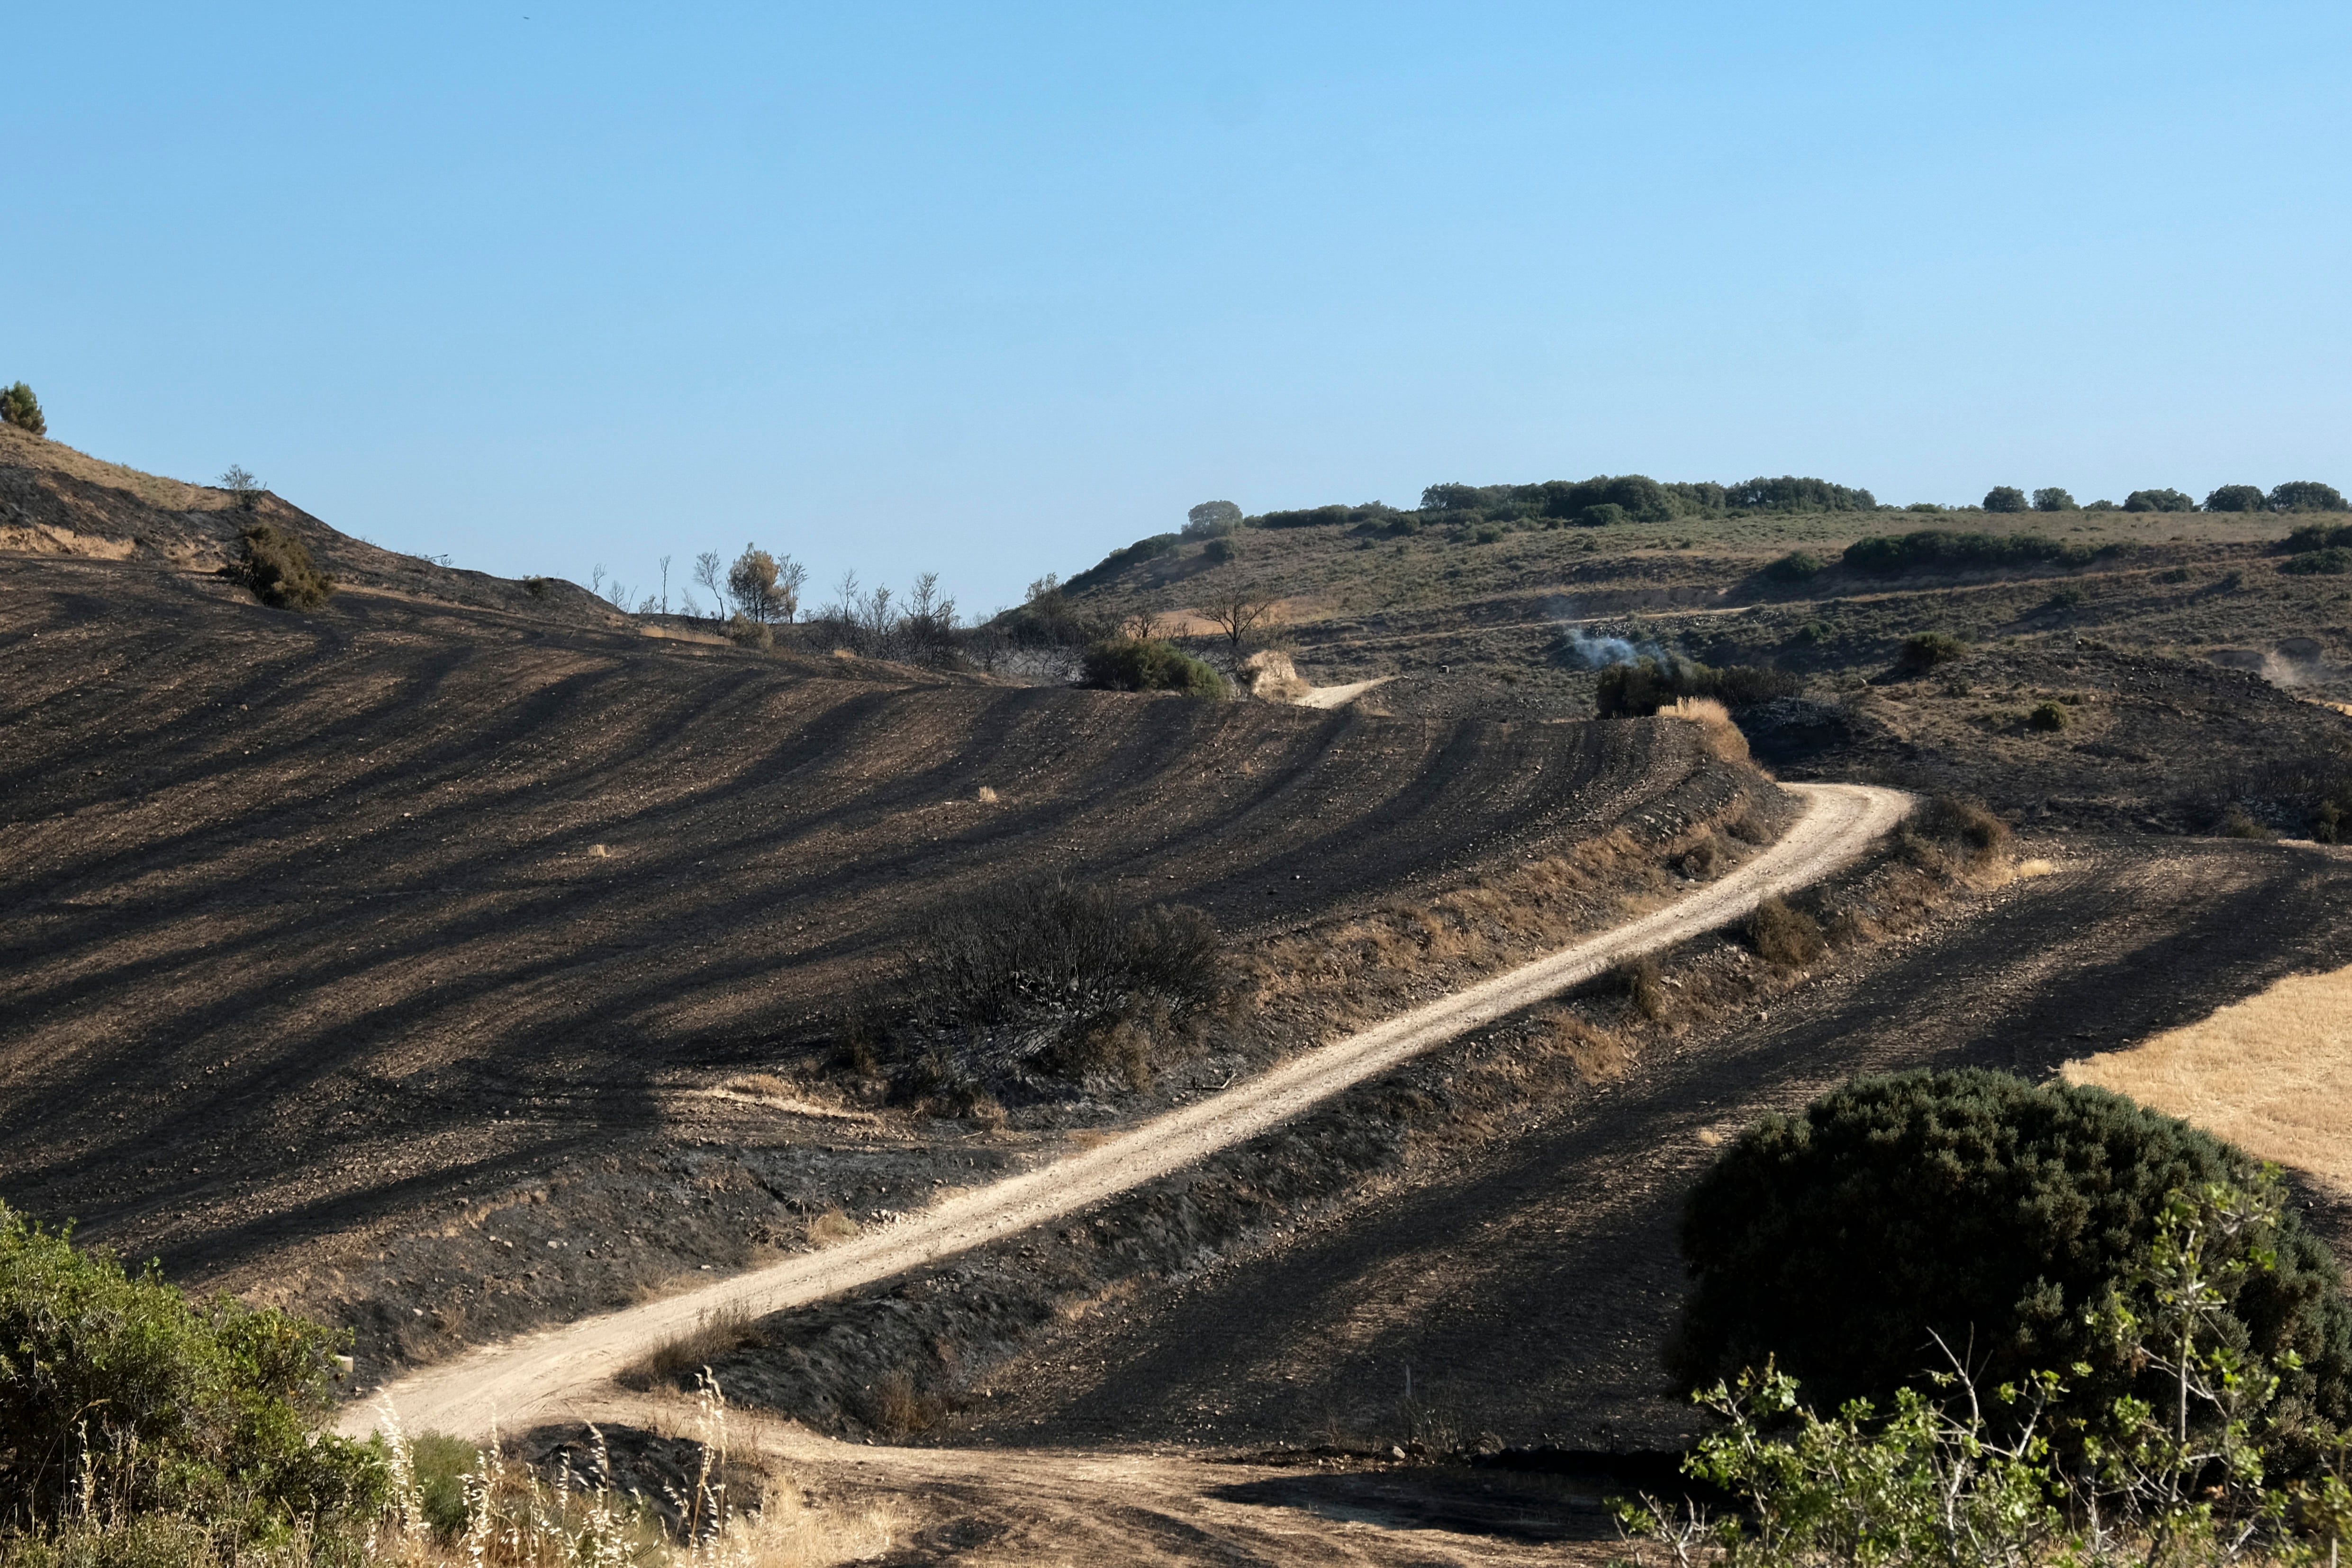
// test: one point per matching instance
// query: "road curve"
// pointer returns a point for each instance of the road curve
(537, 1377)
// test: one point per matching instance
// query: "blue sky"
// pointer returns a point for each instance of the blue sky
(991, 289)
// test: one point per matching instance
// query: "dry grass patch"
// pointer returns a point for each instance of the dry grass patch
(831, 1225)
(714, 1335)
(2272, 1074)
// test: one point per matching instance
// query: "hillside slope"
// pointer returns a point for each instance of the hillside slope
(319, 924)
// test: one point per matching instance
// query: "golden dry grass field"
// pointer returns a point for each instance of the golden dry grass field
(2272, 1074)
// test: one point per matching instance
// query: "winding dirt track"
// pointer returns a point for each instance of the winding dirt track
(540, 1377)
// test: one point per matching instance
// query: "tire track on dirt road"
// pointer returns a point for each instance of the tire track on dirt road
(534, 1378)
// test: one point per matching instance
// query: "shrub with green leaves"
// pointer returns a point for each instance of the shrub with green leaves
(1797, 566)
(1140, 664)
(2237, 498)
(1991, 1212)
(278, 567)
(2332, 561)
(19, 408)
(1944, 549)
(2307, 495)
(2004, 498)
(1926, 650)
(164, 1404)
(2159, 500)
(2047, 716)
(2051, 498)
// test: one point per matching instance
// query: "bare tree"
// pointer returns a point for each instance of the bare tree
(1144, 624)
(596, 579)
(665, 593)
(791, 578)
(240, 485)
(707, 567)
(1244, 614)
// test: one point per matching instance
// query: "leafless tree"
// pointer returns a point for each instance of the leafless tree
(707, 570)
(665, 593)
(1244, 613)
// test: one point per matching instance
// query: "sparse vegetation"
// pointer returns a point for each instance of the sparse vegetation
(1784, 935)
(278, 567)
(1996, 1214)
(1928, 650)
(1646, 685)
(241, 485)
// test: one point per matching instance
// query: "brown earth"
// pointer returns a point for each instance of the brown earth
(346, 954)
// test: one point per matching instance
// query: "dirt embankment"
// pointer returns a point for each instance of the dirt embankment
(385, 960)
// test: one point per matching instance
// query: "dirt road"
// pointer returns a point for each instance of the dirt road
(1528, 1292)
(535, 1378)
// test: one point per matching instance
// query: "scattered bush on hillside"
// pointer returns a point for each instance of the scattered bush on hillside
(1953, 819)
(1797, 566)
(2237, 498)
(1644, 985)
(2308, 495)
(1333, 516)
(116, 1385)
(1219, 551)
(1943, 549)
(1783, 935)
(1211, 519)
(1118, 561)
(2159, 500)
(764, 587)
(1140, 664)
(1604, 514)
(2319, 536)
(240, 484)
(2052, 499)
(2047, 716)
(2334, 561)
(1055, 978)
(2005, 497)
(745, 632)
(1926, 650)
(278, 567)
(1925, 506)
(19, 408)
(2101, 506)
(1996, 1214)
(1638, 689)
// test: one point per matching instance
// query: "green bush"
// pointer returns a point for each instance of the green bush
(1797, 566)
(1925, 506)
(2052, 499)
(1992, 1212)
(2237, 498)
(165, 1404)
(19, 408)
(1791, 493)
(1932, 549)
(1927, 650)
(1135, 664)
(1219, 551)
(1118, 561)
(2005, 497)
(2301, 495)
(2319, 536)
(2159, 500)
(2047, 716)
(2334, 561)
(1212, 519)
(277, 566)
(1606, 514)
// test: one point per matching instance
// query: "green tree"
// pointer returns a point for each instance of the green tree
(240, 484)
(2052, 499)
(2237, 498)
(1211, 519)
(2004, 498)
(766, 587)
(2159, 500)
(2307, 495)
(19, 408)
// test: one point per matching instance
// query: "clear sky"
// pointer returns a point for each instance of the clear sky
(991, 289)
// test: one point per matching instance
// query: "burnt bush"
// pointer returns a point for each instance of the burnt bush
(1140, 664)
(1989, 1211)
(1638, 689)
(1044, 980)
(278, 567)
(1965, 822)
(1783, 935)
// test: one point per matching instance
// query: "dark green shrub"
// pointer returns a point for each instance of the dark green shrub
(1212, 519)
(2066, 598)
(2005, 497)
(1927, 650)
(1220, 550)
(2307, 495)
(1486, 533)
(2102, 506)
(1982, 1208)
(1607, 514)
(1334, 516)
(167, 1404)
(1932, 549)
(2047, 716)
(1118, 560)
(1791, 493)
(1797, 566)
(2159, 500)
(277, 566)
(1813, 634)
(2319, 536)
(1925, 506)
(2052, 499)
(2237, 498)
(2331, 562)
(19, 408)
(1136, 664)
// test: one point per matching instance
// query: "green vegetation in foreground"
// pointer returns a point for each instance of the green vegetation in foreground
(120, 1397)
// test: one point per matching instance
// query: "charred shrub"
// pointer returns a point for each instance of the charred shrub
(1052, 979)
(1928, 649)
(1965, 822)
(1989, 1211)
(278, 567)
(1140, 664)
(1638, 689)
(1643, 985)
(1784, 935)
